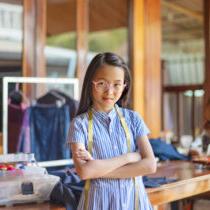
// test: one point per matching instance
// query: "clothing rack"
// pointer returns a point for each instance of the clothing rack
(34, 80)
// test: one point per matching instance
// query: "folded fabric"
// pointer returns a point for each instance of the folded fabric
(68, 190)
(151, 182)
(165, 151)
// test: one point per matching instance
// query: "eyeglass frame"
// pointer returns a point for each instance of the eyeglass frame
(108, 86)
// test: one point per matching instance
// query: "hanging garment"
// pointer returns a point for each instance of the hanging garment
(17, 104)
(44, 132)
(53, 95)
(15, 120)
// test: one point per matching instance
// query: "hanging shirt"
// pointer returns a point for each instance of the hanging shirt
(109, 141)
(15, 120)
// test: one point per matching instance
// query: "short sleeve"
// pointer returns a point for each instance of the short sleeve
(139, 126)
(77, 133)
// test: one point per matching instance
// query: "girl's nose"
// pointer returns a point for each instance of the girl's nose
(110, 88)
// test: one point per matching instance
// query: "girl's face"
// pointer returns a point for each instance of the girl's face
(107, 87)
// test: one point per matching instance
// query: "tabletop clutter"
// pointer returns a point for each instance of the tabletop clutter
(23, 181)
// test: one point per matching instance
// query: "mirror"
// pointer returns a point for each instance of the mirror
(39, 124)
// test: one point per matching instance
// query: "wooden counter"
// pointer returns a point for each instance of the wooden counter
(191, 182)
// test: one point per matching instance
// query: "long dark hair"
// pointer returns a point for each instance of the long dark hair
(98, 61)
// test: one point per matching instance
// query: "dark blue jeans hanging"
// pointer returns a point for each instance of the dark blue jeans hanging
(48, 130)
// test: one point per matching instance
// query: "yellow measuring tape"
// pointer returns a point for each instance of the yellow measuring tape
(90, 146)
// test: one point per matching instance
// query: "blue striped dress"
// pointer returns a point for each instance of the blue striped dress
(109, 141)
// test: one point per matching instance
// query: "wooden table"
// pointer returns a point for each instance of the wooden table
(191, 182)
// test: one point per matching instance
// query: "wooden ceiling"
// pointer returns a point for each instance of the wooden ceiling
(104, 15)
(181, 19)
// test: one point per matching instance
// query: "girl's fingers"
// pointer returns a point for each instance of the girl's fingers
(83, 155)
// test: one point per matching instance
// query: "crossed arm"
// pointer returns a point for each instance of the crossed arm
(124, 166)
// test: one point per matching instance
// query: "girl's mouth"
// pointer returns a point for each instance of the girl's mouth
(108, 100)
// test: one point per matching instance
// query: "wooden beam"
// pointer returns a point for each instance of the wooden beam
(145, 56)
(28, 38)
(153, 66)
(34, 33)
(191, 33)
(186, 11)
(137, 51)
(207, 60)
(41, 13)
(82, 24)
(182, 88)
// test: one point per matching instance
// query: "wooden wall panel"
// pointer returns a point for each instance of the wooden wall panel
(145, 56)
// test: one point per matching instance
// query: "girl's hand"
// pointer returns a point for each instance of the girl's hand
(83, 155)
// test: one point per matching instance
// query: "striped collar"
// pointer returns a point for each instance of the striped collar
(104, 116)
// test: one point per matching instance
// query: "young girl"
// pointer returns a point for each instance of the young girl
(109, 144)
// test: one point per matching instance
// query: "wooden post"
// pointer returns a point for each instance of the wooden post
(82, 24)
(207, 60)
(145, 39)
(28, 38)
(41, 16)
(34, 33)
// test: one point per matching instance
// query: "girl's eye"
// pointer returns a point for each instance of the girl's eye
(101, 83)
(117, 85)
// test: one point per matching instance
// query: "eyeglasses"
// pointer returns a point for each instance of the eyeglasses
(103, 85)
